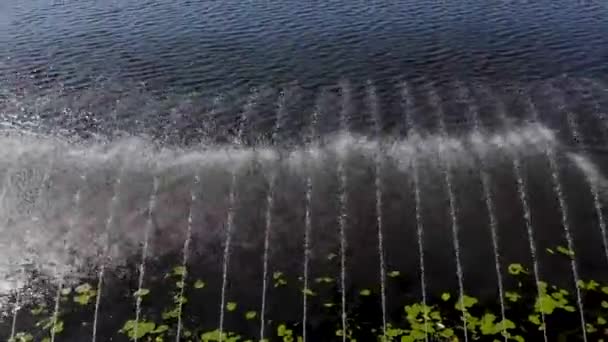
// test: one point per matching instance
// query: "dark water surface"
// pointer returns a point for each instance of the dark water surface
(146, 54)
(196, 45)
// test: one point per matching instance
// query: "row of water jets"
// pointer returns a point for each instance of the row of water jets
(408, 107)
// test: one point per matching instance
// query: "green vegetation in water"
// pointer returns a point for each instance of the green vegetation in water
(442, 318)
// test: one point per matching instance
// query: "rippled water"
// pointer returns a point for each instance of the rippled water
(148, 54)
(217, 45)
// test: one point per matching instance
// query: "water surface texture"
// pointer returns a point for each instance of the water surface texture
(221, 44)
(404, 147)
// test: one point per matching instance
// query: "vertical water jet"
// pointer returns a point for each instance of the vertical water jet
(268, 216)
(144, 253)
(435, 101)
(407, 109)
(230, 216)
(472, 112)
(345, 111)
(523, 200)
(71, 226)
(308, 218)
(557, 188)
(372, 100)
(185, 255)
(106, 246)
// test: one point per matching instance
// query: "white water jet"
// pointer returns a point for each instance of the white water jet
(71, 225)
(267, 228)
(268, 217)
(230, 216)
(108, 227)
(473, 114)
(144, 253)
(308, 223)
(16, 309)
(342, 218)
(447, 170)
(557, 187)
(592, 175)
(308, 228)
(372, 100)
(185, 255)
(523, 200)
(408, 110)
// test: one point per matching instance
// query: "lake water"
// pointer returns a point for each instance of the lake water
(194, 45)
(164, 126)
(159, 50)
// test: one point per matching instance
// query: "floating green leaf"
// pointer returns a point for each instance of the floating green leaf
(565, 251)
(325, 280)
(251, 315)
(214, 335)
(180, 299)
(512, 296)
(84, 288)
(394, 274)
(516, 269)
(179, 271)
(535, 319)
(283, 331)
(447, 333)
(308, 292)
(136, 330)
(161, 329)
(171, 314)
(57, 327)
(231, 306)
(199, 284)
(22, 337)
(141, 293)
(38, 310)
(365, 292)
(465, 302)
(83, 299)
(591, 285)
(278, 279)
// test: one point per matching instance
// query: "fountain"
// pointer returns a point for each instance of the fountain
(300, 222)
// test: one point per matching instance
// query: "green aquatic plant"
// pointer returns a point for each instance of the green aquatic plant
(84, 294)
(136, 330)
(199, 284)
(22, 337)
(441, 318)
(279, 279)
(393, 274)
